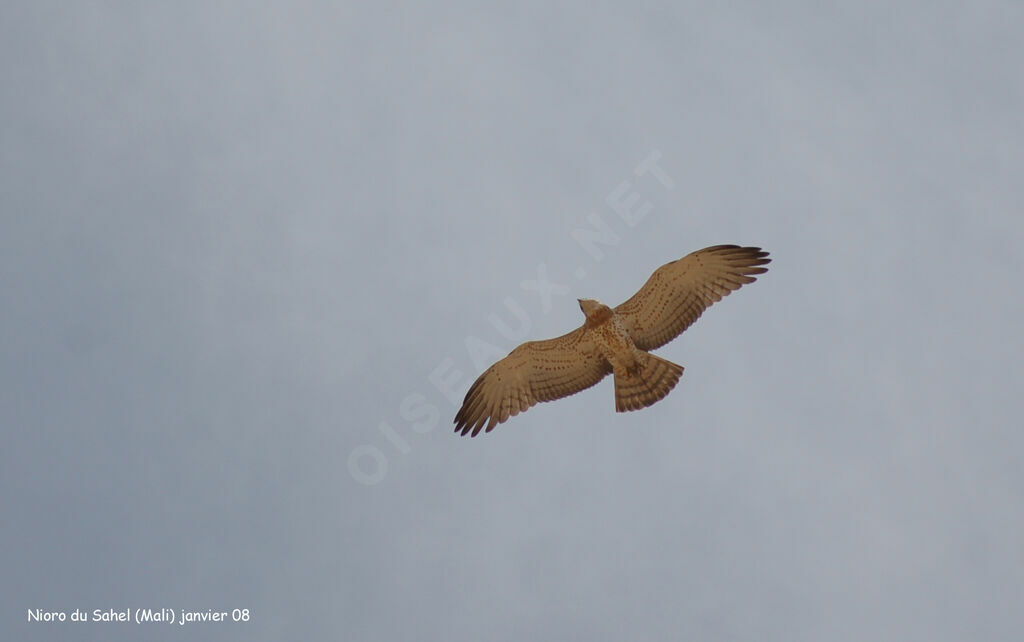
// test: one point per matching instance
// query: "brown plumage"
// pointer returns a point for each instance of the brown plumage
(613, 340)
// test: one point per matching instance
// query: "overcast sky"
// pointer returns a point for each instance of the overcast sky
(250, 254)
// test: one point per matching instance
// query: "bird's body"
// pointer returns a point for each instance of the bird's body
(613, 341)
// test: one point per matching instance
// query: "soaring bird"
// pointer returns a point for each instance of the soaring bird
(613, 340)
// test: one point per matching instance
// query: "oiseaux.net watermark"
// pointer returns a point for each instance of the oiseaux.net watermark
(368, 463)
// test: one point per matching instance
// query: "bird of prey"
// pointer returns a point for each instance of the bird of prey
(613, 341)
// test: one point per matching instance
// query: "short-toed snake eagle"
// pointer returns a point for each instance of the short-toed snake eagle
(613, 340)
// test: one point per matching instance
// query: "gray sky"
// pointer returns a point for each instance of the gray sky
(234, 241)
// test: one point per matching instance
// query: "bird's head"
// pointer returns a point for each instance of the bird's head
(594, 310)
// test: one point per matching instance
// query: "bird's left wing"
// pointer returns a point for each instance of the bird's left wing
(535, 371)
(679, 292)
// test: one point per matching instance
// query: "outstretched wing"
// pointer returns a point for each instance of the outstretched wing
(535, 371)
(678, 292)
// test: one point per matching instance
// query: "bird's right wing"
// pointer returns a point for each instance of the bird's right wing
(679, 292)
(535, 371)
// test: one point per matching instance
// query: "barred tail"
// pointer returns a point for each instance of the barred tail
(649, 383)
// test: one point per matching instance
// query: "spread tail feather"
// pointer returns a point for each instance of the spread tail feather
(650, 382)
